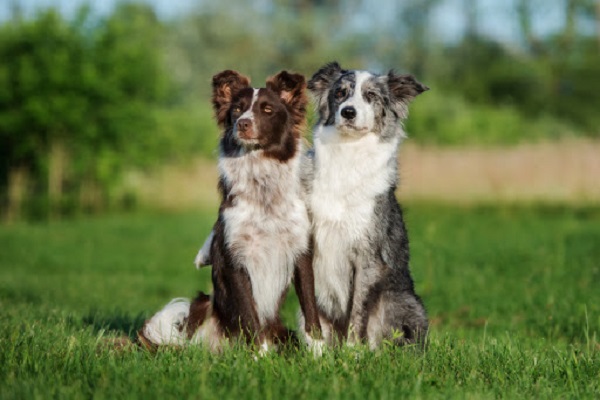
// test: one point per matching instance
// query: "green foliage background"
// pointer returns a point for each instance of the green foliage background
(86, 98)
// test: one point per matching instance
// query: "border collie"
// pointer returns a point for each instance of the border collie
(260, 241)
(363, 285)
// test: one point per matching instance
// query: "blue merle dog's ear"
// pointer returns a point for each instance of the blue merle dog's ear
(403, 89)
(325, 77)
(320, 84)
(226, 84)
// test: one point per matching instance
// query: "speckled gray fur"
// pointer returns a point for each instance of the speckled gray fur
(371, 297)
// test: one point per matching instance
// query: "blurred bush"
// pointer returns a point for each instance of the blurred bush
(446, 118)
(84, 99)
(81, 101)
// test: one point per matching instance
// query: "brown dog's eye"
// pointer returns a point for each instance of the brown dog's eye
(237, 109)
(268, 109)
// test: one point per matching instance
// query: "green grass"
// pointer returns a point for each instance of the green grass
(512, 292)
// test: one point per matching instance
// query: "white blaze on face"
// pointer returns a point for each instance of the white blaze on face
(248, 114)
(365, 117)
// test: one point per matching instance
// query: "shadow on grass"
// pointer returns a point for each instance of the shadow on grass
(117, 322)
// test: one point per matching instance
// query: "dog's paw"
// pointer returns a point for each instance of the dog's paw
(315, 346)
(264, 349)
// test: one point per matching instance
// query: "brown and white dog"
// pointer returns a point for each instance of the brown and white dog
(260, 242)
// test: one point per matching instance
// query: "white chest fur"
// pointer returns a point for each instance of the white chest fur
(349, 175)
(267, 227)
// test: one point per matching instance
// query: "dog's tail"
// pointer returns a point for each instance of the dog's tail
(168, 326)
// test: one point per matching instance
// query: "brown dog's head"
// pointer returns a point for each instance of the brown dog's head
(269, 119)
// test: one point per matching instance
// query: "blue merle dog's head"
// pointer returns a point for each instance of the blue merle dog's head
(359, 102)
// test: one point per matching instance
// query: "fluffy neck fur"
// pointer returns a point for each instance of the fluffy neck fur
(260, 179)
(355, 169)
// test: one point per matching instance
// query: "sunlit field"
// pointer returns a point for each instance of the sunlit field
(559, 171)
(108, 175)
(512, 294)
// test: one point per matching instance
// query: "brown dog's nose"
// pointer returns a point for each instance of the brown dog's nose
(243, 124)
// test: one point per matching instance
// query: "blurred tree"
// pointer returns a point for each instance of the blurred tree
(416, 16)
(311, 5)
(525, 10)
(40, 102)
(76, 104)
(129, 81)
(597, 12)
(471, 18)
(568, 35)
(535, 81)
(83, 100)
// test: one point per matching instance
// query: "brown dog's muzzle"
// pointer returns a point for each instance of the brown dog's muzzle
(245, 129)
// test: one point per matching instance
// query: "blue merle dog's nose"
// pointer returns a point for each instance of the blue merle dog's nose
(348, 112)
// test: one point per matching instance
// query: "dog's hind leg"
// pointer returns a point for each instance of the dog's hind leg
(200, 310)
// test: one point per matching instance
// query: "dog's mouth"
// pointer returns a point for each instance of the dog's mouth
(349, 129)
(247, 140)
(249, 144)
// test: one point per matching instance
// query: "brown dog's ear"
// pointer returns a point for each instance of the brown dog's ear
(320, 85)
(291, 88)
(287, 85)
(403, 89)
(225, 85)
